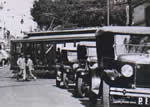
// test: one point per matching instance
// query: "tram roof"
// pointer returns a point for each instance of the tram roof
(125, 30)
(63, 32)
(62, 36)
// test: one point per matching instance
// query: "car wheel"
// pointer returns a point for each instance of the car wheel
(65, 80)
(57, 83)
(93, 99)
(106, 98)
(3, 62)
(80, 85)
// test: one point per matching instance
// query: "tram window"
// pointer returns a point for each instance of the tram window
(29, 48)
(38, 48)
(18, 47)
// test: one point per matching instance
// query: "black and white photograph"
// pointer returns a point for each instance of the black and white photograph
(74, 53)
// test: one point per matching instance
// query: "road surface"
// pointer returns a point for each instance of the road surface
(37, 93)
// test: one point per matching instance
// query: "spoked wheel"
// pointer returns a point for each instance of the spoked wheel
(57, 81)
(80, 87)
(106, 97)
(65, 80)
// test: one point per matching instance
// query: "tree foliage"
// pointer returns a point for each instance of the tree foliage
(49, 14)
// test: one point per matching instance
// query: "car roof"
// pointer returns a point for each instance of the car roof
(124, 30)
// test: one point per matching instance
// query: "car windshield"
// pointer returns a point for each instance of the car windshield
(127, 44)
(72, 56)
(92, 54)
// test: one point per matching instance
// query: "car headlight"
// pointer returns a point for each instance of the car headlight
(127, 70)
(67, 70)
(75, 66)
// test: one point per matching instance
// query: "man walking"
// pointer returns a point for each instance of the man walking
(30, 66)
(22, 66)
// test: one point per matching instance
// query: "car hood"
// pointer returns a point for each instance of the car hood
(135, 58)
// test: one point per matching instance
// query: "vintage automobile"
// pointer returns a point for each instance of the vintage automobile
(123, 74)
(65, 73)
(75, 66)
(86, 63)
(68, 63)
(4, 57)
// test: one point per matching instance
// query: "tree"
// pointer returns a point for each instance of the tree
(49, 14)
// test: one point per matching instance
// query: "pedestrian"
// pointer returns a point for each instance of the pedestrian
(30, 66)
(22, 66)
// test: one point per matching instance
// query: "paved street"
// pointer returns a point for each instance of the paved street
(37, 93)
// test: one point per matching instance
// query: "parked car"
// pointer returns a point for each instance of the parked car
(4, 57)
(65, 69)
(86, 62)
(123, 66)
(75, 68)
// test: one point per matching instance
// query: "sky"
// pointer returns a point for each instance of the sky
(12, 13)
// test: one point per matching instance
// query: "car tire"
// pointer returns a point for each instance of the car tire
(3, 62)
(106, 97)
(65, 80)
(80, 91)
(93, 99)
(57, 83)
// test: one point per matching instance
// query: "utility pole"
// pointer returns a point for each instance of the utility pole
(130, 12)
(108, 12)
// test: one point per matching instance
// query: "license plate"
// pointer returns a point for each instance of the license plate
(143, 101)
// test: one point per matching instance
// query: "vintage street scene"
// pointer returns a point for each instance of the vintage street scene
(74, 53)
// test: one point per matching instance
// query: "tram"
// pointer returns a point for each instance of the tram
(42, 46)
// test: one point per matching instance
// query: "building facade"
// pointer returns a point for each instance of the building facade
(141, 13)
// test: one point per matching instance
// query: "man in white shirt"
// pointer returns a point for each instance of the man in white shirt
(22, 66)
(30, 66)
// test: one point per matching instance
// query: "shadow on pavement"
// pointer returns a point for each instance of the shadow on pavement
(22, 83)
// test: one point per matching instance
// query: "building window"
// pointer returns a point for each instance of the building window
(147, 15)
